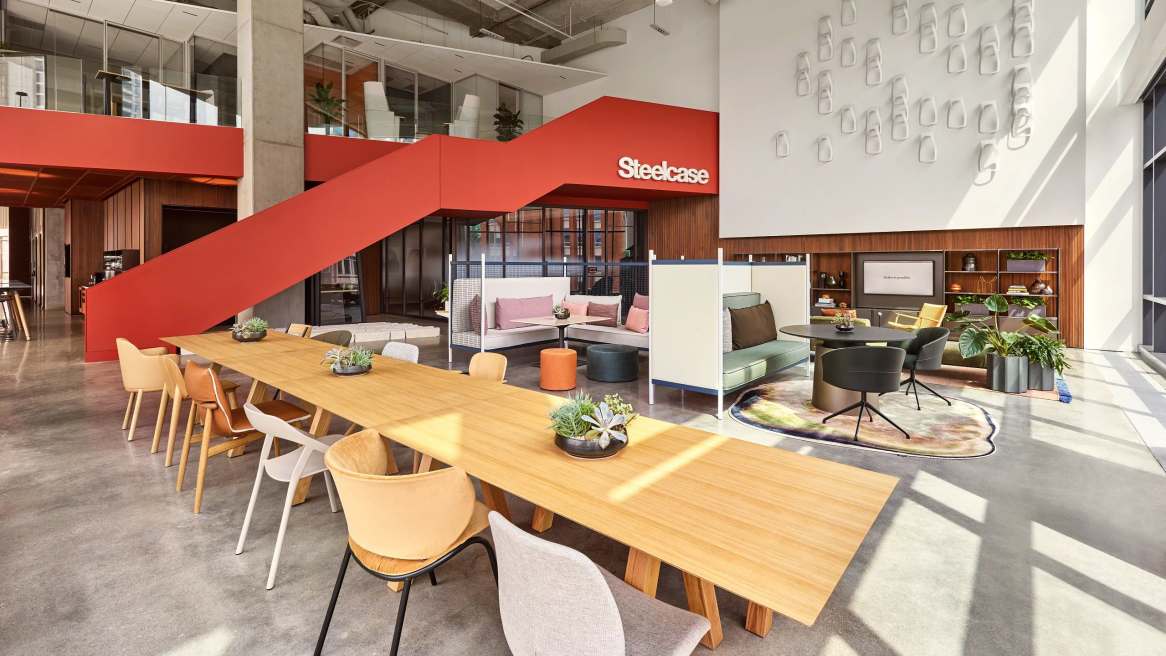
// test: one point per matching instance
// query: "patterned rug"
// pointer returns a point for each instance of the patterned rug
(976, 377)
(964, 430)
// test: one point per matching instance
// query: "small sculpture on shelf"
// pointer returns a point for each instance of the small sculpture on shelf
(955, 287)
(831, 281)
(842, 280)
(970, 262)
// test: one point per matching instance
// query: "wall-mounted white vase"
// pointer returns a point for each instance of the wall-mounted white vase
(849, 13)
(900, 91)
(849, 53)
(928, 113)
(825, 39)
(901, 17)
(957, 114)
(874, 132)
(825, 93)
(957, 59)
(825, 150)
(989, 50)
(849, 122)
(1023, 29)
(928, 152)
(957, 21)
(928, 29)
(874, 63)
(783, 147)
(989, 122)
(989, 160)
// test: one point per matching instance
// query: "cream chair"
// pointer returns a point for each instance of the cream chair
(400, 527)
(491, 366)
(141, 372)
(545, 588)
(466, 123)
(290, 468)
(930, 316)
(382, 123)
(176, 389)
(402, 351)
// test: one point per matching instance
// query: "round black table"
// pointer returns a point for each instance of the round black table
(826, 396)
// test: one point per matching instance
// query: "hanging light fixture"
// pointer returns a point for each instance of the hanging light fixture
(654, 25)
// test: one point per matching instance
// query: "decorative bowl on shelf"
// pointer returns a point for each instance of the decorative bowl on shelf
(589, 449)
(247, 336)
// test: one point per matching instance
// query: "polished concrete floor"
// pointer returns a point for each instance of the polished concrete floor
(1056, 544)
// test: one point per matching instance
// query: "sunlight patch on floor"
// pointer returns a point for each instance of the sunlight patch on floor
(1097, 628)
(970, 505)
(836, 646)
(1127, 579)
(214, 643)
(899, 598)
(1131, 454)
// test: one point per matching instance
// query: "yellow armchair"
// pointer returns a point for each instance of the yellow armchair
(930, 316)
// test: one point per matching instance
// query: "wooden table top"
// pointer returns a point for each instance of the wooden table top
(557, 323)
(775, 527)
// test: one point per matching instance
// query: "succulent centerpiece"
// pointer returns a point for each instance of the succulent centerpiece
(586, 429)
(349, 361)
(561, 312)
(843, 321)
(251, 330)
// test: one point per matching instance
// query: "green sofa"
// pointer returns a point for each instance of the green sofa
(745, 366)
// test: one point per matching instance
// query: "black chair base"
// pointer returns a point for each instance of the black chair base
(429, 569)
(913, 385)
(863, 404)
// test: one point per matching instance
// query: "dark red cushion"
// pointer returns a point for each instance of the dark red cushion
(610, 310)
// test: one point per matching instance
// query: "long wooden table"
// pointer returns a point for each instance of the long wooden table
(774, 527)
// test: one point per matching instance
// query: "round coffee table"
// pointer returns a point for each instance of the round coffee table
(826, 396)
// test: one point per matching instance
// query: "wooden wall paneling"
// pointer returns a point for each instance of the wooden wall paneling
(85, 221)
(686, 227)
(133, 214)
(370, 279)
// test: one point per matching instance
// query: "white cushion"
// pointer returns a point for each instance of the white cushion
(608, 335)
(726, 331)
(498, 339)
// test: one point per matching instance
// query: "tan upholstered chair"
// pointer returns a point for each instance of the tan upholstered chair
(219, 419)
(176, 389)
(400, 527)
(141, 372)
(929, 316)
(491, 366)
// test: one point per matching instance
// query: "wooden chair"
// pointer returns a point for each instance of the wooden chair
(299, 330)
(930, 316)
(220, 420)
(176, 389)
(491, 366)
(141, 372)
(400, 527)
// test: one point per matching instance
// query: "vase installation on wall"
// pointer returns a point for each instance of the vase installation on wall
(1022, 102)
(989, 158)
(900, 107)
(874, 132)
(957, 114)
(825, 150)
(957, 21)
(989, 118)
(802, 82)
(901, 17)
(928, 114)
(825, 93)
(928, 152)
(1023, 29)
(957, 59)
(928, 29)
(848, 120)
(849, 53)
(874, 63)
(825, 39)
(849, 13)
(989, 50)
(783, 148)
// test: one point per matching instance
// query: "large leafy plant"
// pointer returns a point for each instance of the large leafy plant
(252, 326)
(584, 419)
(567, 419)
(507, 123)
(329, 105)
(1045, 350)
(1028, 255)
(347, 358)
(983, 335)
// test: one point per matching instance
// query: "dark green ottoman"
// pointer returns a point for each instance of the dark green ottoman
(613, 363)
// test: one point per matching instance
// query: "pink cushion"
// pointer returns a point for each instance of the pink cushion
(640, 301)
(577, 309)
(637, 320)
(506, 310)
(603, 310)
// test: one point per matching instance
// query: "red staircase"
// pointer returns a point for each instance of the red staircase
(192, 288)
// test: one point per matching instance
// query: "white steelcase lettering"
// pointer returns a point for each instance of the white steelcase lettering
(631, 168)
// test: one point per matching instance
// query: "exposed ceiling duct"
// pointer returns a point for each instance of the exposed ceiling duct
(585, 43)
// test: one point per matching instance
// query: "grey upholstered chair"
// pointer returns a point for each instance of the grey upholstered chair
(553, 600)
(924, 353)
(864, 369)
(337, 337)
(401, 351)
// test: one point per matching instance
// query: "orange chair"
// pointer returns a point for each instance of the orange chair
(177, 392)
(557, 369)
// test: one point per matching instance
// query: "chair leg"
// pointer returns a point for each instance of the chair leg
(175, 413)
(287, 504)
(185, 456)
(433, 576)
(134, 417)
(157, 439)
(250, 508)
(332, 603)
(203, 456)
(899, 428)
(858, 424)
(233, 399)
(125, 421)
(945, 399)
(400, 624)
(332, 501)
(491, 555)
(915, 388)
(186, 436)
(842, 411)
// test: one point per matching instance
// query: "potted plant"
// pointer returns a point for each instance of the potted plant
(972, 304)
(561, 312)
(328, 106)
(441, 295)
(1026, 261)
(507, 123)
(251, 330)
(349, 361)
(1046, 360)
(585, 429)
(1024, 306)
(1007, 369)
(843, 321)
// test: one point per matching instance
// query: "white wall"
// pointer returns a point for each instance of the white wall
(680, 69)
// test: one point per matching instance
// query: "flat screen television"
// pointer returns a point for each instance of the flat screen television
(898, 278)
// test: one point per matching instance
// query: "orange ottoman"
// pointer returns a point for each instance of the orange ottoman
(557, 366)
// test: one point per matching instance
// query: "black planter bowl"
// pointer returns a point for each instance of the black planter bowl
(844, 329)
(566, 314)
(351, 371)
(588, 449)
(248, 337)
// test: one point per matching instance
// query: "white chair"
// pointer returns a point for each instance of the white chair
(381, 122)
(290, 468)
(544, 588)
(466, 124)
(401, 351)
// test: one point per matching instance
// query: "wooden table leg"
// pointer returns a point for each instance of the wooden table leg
(643, 572)
(320, 422)
(542, 519)
(20, 316)
(702, 600)
(258, 391)
(495, 499)
(758, 619)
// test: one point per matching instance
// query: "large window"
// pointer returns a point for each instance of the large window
(1154, 218)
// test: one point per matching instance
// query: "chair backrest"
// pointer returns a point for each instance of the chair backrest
(931, 315)
(203, 385)
(175, 381)
(410, 517)
(401, 351)
(299, 330)
(276, 427)
(928, 348)
(545, 590)
(138, 370)
(864, 368)
(337, 337)
(491, 366)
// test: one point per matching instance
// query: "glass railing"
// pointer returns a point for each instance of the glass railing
(386, 126)
(39, 80)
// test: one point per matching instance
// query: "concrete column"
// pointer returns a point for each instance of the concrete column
(53, 266)
(271, 74)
